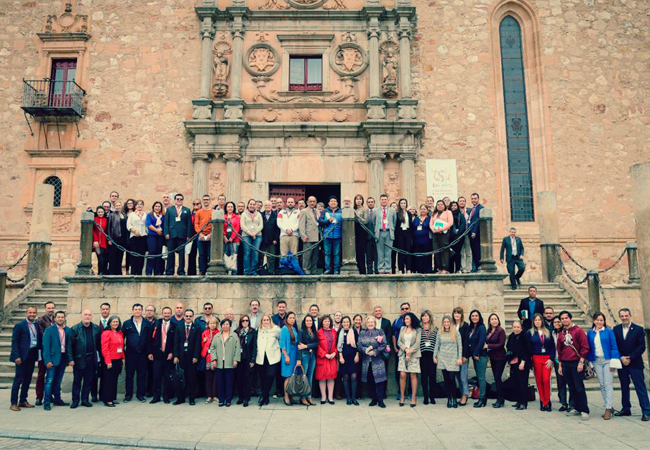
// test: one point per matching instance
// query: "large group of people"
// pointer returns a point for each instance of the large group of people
(338, 354)
(389, 238)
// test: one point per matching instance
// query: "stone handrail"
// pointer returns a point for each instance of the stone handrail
(25, 292)
(572, 290)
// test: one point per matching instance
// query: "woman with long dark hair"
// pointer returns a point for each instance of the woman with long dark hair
(326, 365)
(543, 355)
(457, 229)
(211, 388)
(307, 348)
(113, 355)
(459, 323)
(409, 356)
(129, 207)
(231, 230)
(495, 342)
(360, 234)
(100, 229)
(478, 352)
(247, 342)
(440, 223)
(289, 349)
(155, 239)
(403, 236)
(422, 243)
(348, 358)
(119, 233)
(605, 357)
(428, 339)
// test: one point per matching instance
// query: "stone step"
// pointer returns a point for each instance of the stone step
(573, 309)
(40, 305)
(555, 298)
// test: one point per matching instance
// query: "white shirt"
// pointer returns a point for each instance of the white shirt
(254, 318)
(138, 325)
(625, 330)
(514, 246)
(598, 348)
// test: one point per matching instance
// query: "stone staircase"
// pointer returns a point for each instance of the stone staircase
(56, 292)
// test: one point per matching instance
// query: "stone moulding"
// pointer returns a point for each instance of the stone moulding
(349, 59)
(271, 95)
(259, 57)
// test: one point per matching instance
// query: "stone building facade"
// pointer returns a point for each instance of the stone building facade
(246, 96)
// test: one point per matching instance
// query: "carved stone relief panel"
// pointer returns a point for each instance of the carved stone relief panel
(261, 60)
(389, 58)
(221, 63)
(349, 58)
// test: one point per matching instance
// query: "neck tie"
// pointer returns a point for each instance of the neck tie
(314, 212)
(383, 219)
(164, 336)
(187, 332)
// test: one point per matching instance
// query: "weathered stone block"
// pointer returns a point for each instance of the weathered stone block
(450, 288)
(154, 289)
(364, 289)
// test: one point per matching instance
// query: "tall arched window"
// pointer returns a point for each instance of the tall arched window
(516, 121)
(56, 182)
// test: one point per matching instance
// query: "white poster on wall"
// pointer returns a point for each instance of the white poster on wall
(441, 178)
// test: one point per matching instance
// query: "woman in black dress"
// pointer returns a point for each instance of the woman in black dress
(119, 234)
(348, 359)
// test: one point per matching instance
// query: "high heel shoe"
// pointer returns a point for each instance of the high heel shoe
(463, 401)
(522, 406)
(288, 404)
(401, 404)
(454, 402)
(480, 403)
(449, 405)
(498, 404)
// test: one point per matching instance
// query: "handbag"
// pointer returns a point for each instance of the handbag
(230, 262)
(177, 378)
(588, 371)
(298, 385)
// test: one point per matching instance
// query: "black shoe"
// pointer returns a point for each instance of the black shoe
(516, 405)
(454, 402)
(449, 404)
(61, 403)
(228, 405)
(563, 408)
(355, 402)
(331, 402)
(109, 404)
(115, 402)
(154, 401)
(522, 406)
(266, 401)
(192, 402)
(39, 402)
(426, 401)
(87, 404)
(167, 401)
(142, 399)
(498, 404)
(221, 404)
(47, 407)
(514, 288)
(372, 403)
(541, 406)
(480, 403)
(260, 401)
(645, 418)
(401, 404)
(245, 403)
(181, 274)
(381, 404)
(94, 400)
(179, 402)
(432, 401)
(74, 405)
(623, 413)
(127, 399)
(322, 402)
(413, 405)
(348, 402)
(240, 401)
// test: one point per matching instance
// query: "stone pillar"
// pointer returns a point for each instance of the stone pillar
(486, 263)
(237, 27)
(407, 177)
(593, 290)
(215, 266)
(3, 285)
(85, 266)
(201, 176)
(373, 52)
(376, 187)
(632, 262)
(549, 235)
(233, 177)
(207, 37)
(40, 237)
(640, 175)
(405, 56)
(348, 253)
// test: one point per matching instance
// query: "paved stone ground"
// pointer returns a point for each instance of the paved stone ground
(321, 427)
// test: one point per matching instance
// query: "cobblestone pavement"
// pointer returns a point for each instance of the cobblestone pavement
(327, 427)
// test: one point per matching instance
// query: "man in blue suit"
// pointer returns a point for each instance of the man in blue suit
(55, 360)
(384, 228)
(136, 333)
(513, 249)
(178, 230)
(630, 339)
(25, 344)
(475, 233)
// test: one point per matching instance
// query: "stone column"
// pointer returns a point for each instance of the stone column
(215, 266)
(486, 263)
(85, 266)
(373, 52)
(207, 37)
(632, 262)
(348, 253)
(549, 235)
(405, 56)
(407, 177)
(40, 237)
(376, 187)
(201, 175)
(233, 177)
(3, 285)
(237, 27)
(640, 175)
(593, 290)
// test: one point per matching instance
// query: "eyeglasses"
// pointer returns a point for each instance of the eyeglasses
(405, 309)
(245, 320)
(196, 204)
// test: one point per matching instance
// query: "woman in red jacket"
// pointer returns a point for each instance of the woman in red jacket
(210, 373)
(326, 362)
(231, 232)
(113, 354)
(100, 247)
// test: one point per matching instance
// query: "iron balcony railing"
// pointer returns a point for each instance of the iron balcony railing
(47, 97)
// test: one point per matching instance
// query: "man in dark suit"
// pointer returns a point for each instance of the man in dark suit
(136, 331)
(529, 307)
(187, 351)
(475, 233)
(105, 311)
(44, 322)
(161, 352)
(178, 230)
(630, 340)
(25, 344)
(55, 359)
(270, 236)
(371, 245)
(83, 346)
(513, 249)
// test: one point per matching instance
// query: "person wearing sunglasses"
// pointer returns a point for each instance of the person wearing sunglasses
(248, 343)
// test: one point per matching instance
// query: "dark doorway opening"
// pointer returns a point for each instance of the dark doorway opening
(322, 192)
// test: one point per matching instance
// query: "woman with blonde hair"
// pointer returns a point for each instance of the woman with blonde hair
(268, 355)
(449, 356)
(372, 345)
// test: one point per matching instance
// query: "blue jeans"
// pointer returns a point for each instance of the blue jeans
(606, 380)
(250, 254)
(53, 379)
(155, 266)
(308, 365)
(332, 249)
(204, 255)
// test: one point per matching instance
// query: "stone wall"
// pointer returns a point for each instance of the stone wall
(349, 294)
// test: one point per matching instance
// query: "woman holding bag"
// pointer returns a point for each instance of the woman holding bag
(289, 349)
(605, 357)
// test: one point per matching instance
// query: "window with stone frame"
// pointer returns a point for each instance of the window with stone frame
(306, 73)
(58, 188)
(516, 121)
(62, 82)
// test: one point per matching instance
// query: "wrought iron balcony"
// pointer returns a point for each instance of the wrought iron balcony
(47, 97)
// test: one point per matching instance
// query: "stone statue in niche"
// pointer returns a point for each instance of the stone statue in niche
(390, 64)
(221, 64)
(261, 58)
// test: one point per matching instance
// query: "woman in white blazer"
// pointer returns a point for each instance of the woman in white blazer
(268, 355)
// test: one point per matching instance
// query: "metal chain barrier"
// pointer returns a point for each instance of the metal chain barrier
(566, 252)
(19, 260)
(602, 295)
(29, 269)
(566, 272)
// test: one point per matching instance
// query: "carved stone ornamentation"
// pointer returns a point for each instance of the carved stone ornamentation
(334, 5)
(306, 4)
(68, 22)
(388, 52)
(376, 112)
(233, 112)
(262, 60)
(349, 59)
(271, 95)
(304, 115)
(275, 4)
(202, 112)
(341, 115)
(221, 52)
(271, 115)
